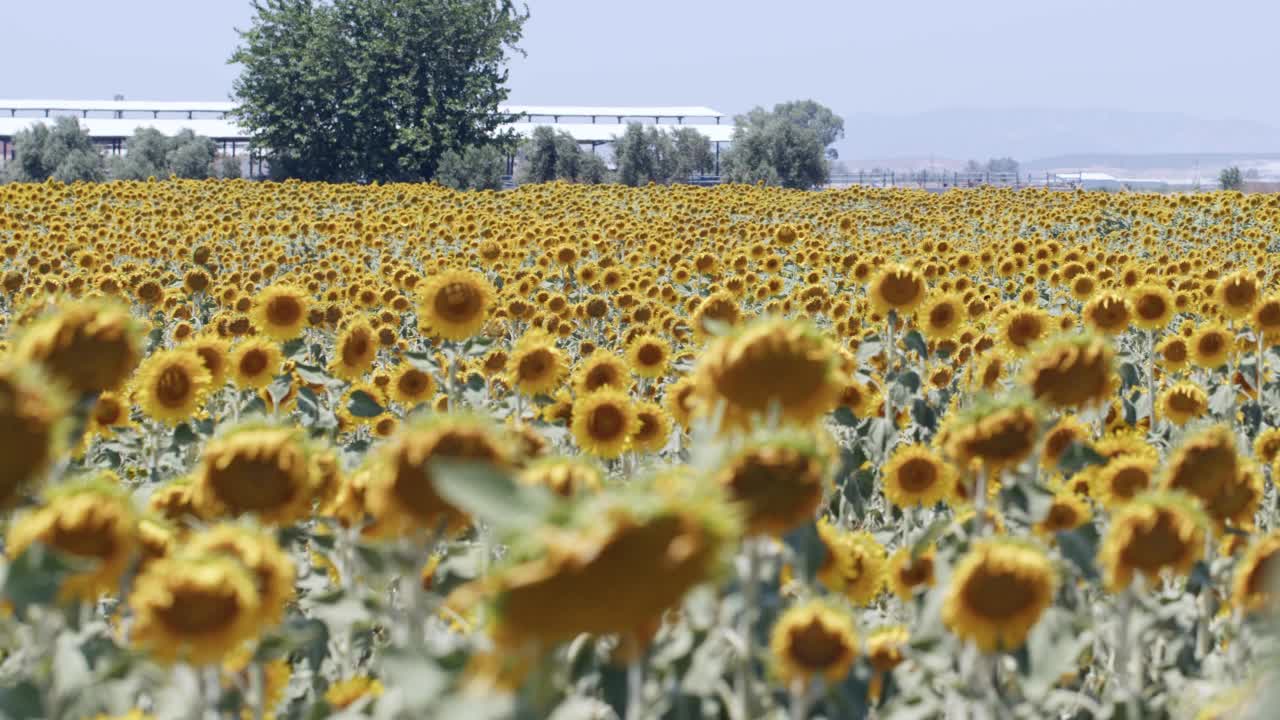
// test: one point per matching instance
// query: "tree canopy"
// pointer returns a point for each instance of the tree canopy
(786, 146)
(361, 90)
(62, 152)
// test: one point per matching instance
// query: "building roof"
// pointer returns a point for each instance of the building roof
(127, 115)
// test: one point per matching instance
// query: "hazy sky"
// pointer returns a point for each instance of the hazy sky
(1214, 58)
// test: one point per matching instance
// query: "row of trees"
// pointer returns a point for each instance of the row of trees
(65, 152)
(788, 146)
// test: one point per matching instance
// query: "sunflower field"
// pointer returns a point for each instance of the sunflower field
(309, 451)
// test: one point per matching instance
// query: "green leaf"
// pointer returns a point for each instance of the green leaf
(914, 342)
(1129, 374)
(475, 382)
(21, 702)
(35, 577)
(844, 416)
(311, 374)
(363, 405)
(809, 551)
(70, 667)
(183, 435)
(908, 379)
(924, 414)
(293, 347)
(1080, 546)
(1077, 457)
(491, 495)
(930, 536)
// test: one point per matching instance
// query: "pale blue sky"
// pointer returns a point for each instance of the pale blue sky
(1214, 58)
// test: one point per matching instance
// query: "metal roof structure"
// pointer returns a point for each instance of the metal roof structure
(117, 119)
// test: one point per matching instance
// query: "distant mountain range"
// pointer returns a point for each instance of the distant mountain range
(1051, 138)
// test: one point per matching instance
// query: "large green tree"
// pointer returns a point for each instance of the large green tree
(787, 146)
(360, 90)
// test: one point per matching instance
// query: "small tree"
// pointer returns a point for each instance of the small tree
(229, 168)
(191, 156)
(644, 155)
(475, 168)
(1230, 178)
(550, 155)
(693, 154)
(63, 152)
(785, 147)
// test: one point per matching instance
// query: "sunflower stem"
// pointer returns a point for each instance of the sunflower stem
(799, 699)
(258, 690)
(751, 599)
(635, 686)
(1121, 666)
(451, 383)
(889, 350)
(1151, 376)
(980, 502)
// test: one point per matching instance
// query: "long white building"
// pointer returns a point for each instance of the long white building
(110, 123)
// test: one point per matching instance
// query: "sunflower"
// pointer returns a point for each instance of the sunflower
(1123, 479)
(886, 649)
(255, 363)
(778, 481)
(909, 576)
(1253, 586)
(1153, 306)
(345, 693)
(604, 422)
(175, 502)
(33, 419)
(1067, 431)
(1107, 313)
(1266, 318)
(1067, 511)
(565, 476)
(258, 469)
(916, 475)
(213, 351)
(400, 489)
(859, 399)
(355, 351)
(195, 609)
(896, 287)
(771, 365)
(717, 309)
(1204, 465)
(280, 311)
(681, 400)
(1266, 447)
(998, 592)
(1173, 353)
(89, 346)
(1154, 532)
(813, 640)
(654, 429)
(1210, 346)
(171, 385)
(1236, 504)
(1022, 327)
(455, 304)
(1072, 372)
(90, 519)
(941, 317)
(536, 366)
(856, 564)
(1237, 294)
(997, 433)
(411, 386)
(648, 355)
(1183, 402)
(627, 560)
(600, 370)
(257, 551)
